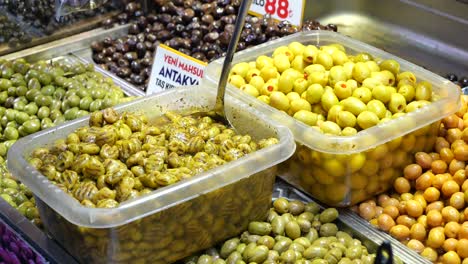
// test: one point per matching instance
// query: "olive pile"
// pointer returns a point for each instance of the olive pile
(121, 157)
(130, 13)
(12, 33)
(294, 232)
(17, 194)
(41, 95)
(40, 14)
(201, 29)
(339, 94)
(427, 209)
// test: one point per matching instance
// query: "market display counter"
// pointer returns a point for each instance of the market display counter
(439, 46)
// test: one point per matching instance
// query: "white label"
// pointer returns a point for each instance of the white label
(290, 10)
(172, 68)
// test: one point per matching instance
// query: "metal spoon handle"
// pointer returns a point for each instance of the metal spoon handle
(244, 7)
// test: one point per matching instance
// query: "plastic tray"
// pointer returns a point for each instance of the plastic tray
(387, 147)
(172, 222)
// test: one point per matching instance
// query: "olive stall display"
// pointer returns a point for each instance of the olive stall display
(201, 29)
(293, 232)
(11, 33)
(344, 93)
(427, 209)
(41, 95)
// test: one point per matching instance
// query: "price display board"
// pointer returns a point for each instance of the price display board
(290, 10)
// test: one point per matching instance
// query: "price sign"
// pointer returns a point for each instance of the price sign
(290, 10)
(172, 68)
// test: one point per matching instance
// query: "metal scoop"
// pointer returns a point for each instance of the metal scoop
(218, 112)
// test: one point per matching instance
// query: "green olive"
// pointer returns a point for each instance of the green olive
(32, 126)
(377, 107)
(228, 247)
(328, 229)
(345, 119)
(314, 252)
(397, 103)
(353, 105)
(31, 108)
(367, 119)
(328, 215)
(423, 91)
(71, 113)
(292, 229)
(259, 228)
(361, 71)
(10, 133)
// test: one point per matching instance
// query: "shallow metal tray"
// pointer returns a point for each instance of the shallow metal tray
(353, 224)
(38, 37)
(66, 48)
(430, 33)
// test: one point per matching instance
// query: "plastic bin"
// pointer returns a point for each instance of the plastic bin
(344, 170)
(172, 222)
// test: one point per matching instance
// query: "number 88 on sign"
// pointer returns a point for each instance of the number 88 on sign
(290, 10)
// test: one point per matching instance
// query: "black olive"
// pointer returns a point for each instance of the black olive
(107, 41)
(131, 56)
(142, 22)
(117, 56)
(123, 62)
(137, 79)
(188, 14)
(198, 55)
(122, 18)
(107, 59)
(147, 61)
(112, 66)
(131, 7)
(98, 58)
(157, 27)
(452, 77)
(464, 81)
(151, 18)
(140, 49)
(141, 37)
(211, 37)
(123, 72)
(108, 23)
(133, 29)
(121, 47)
(163, 35)
(97, 46)
(131, 43)
(149, 46)
(151, 37)
(135, 66)
(333, 27)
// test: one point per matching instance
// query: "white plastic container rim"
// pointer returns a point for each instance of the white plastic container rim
(162, 198)
(448, 96)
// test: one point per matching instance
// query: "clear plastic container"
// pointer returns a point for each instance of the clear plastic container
(172, 222)
(344, 170)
